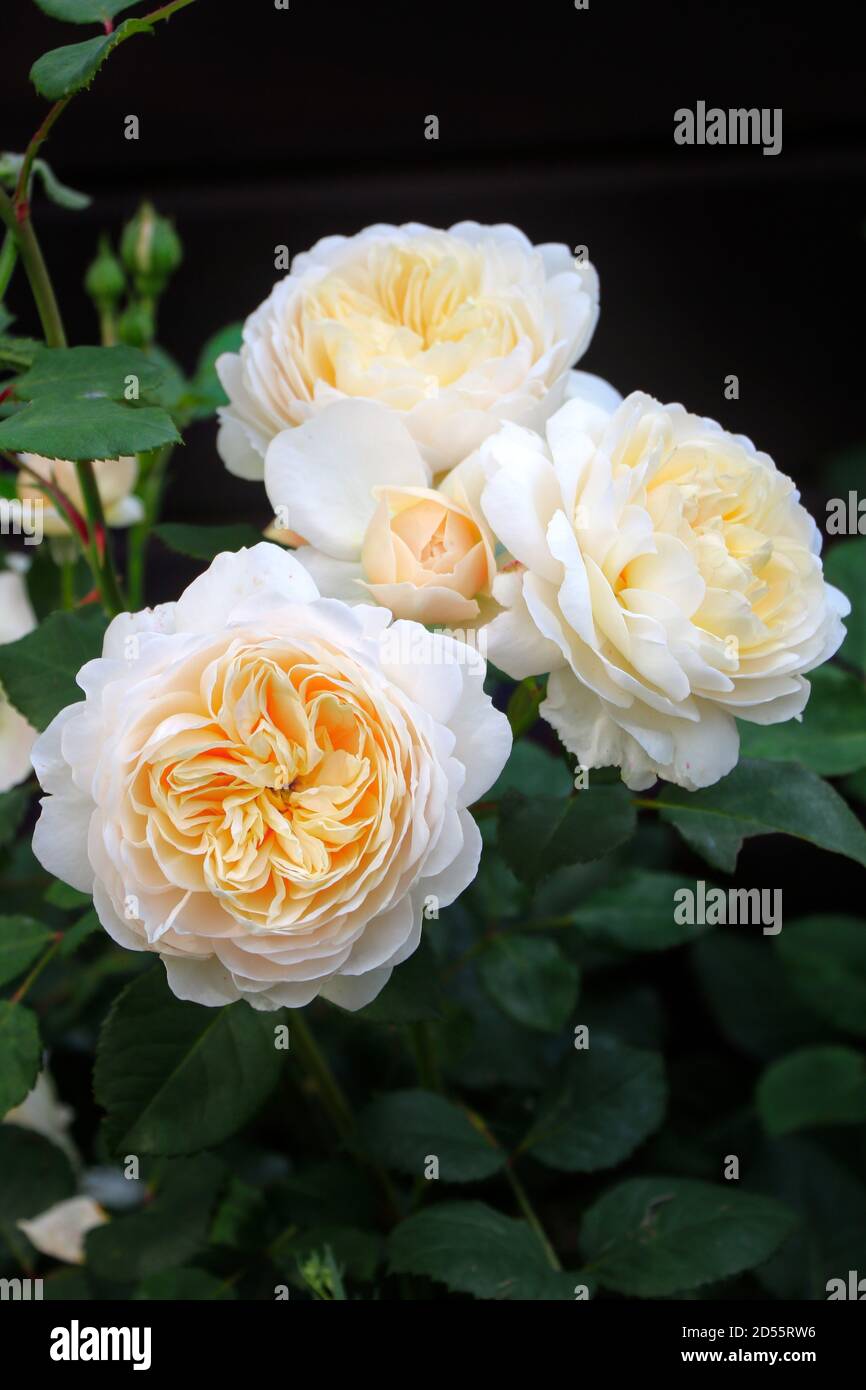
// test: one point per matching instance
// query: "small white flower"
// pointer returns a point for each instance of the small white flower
(455, 331)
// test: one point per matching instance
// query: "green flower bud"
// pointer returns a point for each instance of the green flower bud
(105, 280)
(136, 325)
(151, 250)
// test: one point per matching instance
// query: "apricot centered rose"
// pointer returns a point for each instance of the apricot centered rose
(263, 790)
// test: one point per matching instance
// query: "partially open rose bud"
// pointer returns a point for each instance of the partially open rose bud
(424, 557)
(353, 483)
(115, 479)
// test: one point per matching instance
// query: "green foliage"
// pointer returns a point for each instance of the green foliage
(830, 1235)
(62, 896)
(845, 566)
(65, 71)
(168, 1232)
(636, 912)
(750, 996)
(13, 805)
(21, 941)
(175, 1078)
(563, 830)
(17, 354)
(88, 403)
(319, 1257)
(85, 11)
(831, 739)
(188, 1285)
(19, 1053)
(38, 671)
(413, 993)
(59, 193)
(531, 980)
(204, 542)
(523, 705)
(610, 1098)
(532, 771)
(654, 1237)
(812, 1087)
(825, 961)
(36, 1175)
(759, 798)
(206, 384)
(402, 1129)
(472, 1248)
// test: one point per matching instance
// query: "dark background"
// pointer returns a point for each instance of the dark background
(262, 127)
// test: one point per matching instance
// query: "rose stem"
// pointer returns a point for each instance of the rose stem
(20, 225)
(529, 1212)
(421, 1040)
(330, 1091)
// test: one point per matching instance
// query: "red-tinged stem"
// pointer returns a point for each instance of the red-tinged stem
(22, 187)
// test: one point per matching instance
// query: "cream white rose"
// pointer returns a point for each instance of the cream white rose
(666, 575)
(266, 787)
(16, 735)
(352, 482)
(115, 480)
(454, 331)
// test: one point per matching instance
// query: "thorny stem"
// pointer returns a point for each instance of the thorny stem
(67, 585)
(45, 300)
(22, 188)
(40, 965)
(37, 271)
(8, 260)
(152, 483)
(425, 1055)
(522, 1198)
(334, 1101)
(47, 307)
(19, 225)
(329, 1089)
(529, 1212)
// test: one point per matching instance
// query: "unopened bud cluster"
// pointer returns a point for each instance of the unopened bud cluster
(150, 253)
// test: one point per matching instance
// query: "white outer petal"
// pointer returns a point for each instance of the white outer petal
(234, 577)
(324, 472)
(60, 1231)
